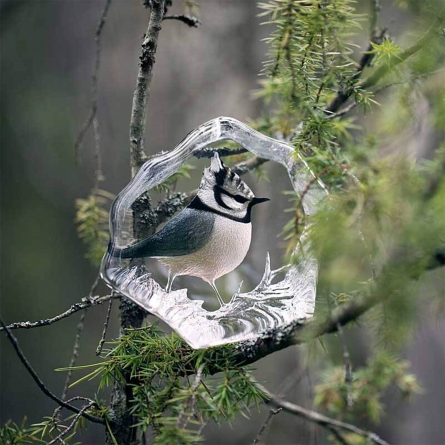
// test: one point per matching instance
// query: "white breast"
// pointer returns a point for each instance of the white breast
(224, 251)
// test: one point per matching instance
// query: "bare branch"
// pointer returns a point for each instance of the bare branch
(72, 424)
(75, 353)
(320, 419)
(94, 286)
(86, 303)
(40, 384)
(348, 366)
(104, 332)
(251, 164)
(145, 74)
(94, 81)
(337, 435)
(374, 21)
(98, 174)
(130, 314)
(189, 20)
(272, 412)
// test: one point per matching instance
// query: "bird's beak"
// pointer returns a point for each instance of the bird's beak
(256, 201)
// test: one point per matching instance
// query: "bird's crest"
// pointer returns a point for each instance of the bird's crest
(222, 176)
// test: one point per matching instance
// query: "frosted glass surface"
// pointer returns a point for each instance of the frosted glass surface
(269, 305)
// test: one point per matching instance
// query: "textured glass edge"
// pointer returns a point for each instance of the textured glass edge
(297, 289)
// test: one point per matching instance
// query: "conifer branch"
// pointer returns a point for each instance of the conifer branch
(381, 72)
(319, 419)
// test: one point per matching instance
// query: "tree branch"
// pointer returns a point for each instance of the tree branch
(272, 412)
(94, 80)
(40, 384)
(319, 419)
(141, 94)
(104, 331)
(402, 57)
(244, 167)
(344, 94)
(299, 332)
(72, 424)
(189, 20)
(131, 315)
(86, 303)
(75, 353)
(374, 21)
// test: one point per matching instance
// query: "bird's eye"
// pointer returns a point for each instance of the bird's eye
(240, 199)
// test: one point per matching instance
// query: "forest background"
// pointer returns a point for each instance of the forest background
(48, 55)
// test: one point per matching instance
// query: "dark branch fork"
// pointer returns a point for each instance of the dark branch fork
(41, 385)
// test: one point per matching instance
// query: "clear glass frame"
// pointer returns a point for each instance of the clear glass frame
(269, 305)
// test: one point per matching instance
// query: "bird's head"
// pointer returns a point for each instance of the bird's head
(223, 190)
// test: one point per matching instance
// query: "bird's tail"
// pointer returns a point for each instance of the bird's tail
(134, 251)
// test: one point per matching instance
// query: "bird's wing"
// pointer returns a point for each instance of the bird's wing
(184, 234)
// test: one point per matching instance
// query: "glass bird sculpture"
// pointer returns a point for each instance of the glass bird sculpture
(210, 238)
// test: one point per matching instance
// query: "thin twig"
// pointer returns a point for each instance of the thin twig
(75, 353)
(72, 424)
(104, 332)
(70, 400)
(375, 17)
(314, 179)
(343, 111)
(272, 412)
(191, 402)
(320, 419)
(94, 81)
(98, 174)
(39, 383)
(292, 380)
(189, 20)
(94, 286)
(86, 303)
(337, 435)
(401, 57)
(244, 167)
(348, 367)
(352, 105)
